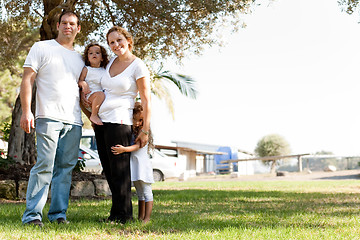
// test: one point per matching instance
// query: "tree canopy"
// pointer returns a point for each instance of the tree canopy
(349, 6)
(161, 29)
(9, 84)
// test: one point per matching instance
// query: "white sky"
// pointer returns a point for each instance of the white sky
(293, 71)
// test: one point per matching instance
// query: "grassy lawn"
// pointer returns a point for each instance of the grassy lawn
(212, 210)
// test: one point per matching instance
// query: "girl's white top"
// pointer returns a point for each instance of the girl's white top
(140, 165)
(120, 92)
(93, 78)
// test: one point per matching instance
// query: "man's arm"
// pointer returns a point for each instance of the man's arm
(27, 120)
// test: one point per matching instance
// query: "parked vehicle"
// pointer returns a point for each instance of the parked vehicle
(164, 167)
(88, 140)
(222, 168)
(91, 160)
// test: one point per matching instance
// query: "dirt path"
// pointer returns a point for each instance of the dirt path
(304, 176)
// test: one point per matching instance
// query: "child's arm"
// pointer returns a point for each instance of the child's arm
(118, 149)
(82, 84)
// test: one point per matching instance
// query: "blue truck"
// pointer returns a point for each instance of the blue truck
(223, 168)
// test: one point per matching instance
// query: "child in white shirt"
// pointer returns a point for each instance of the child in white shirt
(96, 59)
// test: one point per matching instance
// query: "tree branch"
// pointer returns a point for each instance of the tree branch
(109, 11)
(37, 12)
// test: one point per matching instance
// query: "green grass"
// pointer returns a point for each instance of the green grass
(212, 210)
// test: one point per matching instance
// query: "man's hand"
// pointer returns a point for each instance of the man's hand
(27, 122)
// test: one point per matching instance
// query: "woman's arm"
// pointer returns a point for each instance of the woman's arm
(144, 91)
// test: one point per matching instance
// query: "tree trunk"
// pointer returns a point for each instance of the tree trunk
(52, 11)
(21, 145)
(273, 166)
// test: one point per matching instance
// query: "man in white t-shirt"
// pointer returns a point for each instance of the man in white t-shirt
(55, 67)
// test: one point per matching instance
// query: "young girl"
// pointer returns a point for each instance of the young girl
(96, 59)
(140, 165)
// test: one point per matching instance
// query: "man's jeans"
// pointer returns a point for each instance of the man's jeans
(57, 155)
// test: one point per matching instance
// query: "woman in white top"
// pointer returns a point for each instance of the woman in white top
(125, 77)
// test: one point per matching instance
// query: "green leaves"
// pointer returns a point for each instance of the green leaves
(185, 84)
(272, 145)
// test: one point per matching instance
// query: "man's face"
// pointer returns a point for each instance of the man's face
(68, 26)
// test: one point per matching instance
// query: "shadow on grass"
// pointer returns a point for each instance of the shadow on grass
(210, 210)
(215, 209)
(342, 177)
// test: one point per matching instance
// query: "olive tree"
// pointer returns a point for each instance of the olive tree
(272, 145)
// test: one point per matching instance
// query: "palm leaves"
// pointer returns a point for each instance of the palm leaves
(159, 86)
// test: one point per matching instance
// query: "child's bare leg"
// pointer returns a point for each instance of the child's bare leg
(148, 210)
(141, 211)
(96, 99)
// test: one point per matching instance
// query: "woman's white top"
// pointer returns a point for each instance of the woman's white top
(120, 92)
(93, 78)
(140, 166)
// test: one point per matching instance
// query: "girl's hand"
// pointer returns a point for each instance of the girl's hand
(117, 149)
(142, 139)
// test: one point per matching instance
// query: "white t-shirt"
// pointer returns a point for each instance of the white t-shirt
(140, 166)
(93, 78)
(58, 70)
(120, 92)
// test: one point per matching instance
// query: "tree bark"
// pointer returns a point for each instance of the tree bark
(52, 11)
(21, 145)
(273, 166)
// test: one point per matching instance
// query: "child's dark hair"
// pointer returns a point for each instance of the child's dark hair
(138, 109)
(104, 55)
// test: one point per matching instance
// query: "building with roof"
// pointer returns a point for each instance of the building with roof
(204, 158)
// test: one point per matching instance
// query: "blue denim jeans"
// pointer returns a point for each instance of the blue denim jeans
(57, 154)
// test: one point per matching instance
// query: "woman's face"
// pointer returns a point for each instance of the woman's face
(118, 43)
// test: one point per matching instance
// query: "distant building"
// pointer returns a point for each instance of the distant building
(204, 158)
